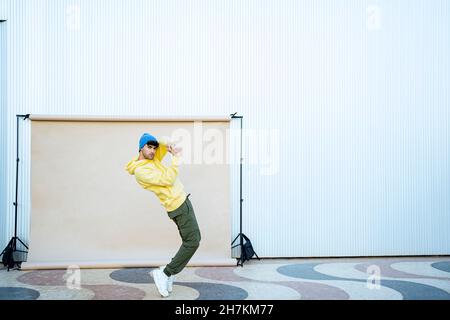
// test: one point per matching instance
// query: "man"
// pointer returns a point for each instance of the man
(152, 175)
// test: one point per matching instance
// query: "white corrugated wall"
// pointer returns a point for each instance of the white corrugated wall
(3, 139)
(347, 99)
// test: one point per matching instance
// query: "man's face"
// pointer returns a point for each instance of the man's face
(148, 151)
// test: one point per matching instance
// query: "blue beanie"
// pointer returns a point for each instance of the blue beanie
(146, 138)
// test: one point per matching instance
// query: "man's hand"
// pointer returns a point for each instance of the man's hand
(173, 150)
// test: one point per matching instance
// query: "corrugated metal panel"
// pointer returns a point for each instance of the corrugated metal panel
(3, 131)
(354, 94)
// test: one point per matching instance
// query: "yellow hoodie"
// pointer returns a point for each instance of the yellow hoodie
(161, 180)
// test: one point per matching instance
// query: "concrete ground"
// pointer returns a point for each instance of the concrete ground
(393, 278)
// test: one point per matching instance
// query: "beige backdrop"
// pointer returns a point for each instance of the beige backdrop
(86, 210)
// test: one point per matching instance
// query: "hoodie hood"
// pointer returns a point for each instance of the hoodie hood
(134, 163)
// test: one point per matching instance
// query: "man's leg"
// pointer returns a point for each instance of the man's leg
(190, 234)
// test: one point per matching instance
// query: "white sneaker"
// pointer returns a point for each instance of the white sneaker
(169, 281)
(160, 280)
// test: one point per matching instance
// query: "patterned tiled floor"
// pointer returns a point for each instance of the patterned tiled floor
(268, 279)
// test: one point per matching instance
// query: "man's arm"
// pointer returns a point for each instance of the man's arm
(163, 178)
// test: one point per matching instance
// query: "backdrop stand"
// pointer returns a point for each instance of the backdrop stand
(247, 251)
(11, 247)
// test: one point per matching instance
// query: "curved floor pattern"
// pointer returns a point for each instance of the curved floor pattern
(64, 293)
(18, 293)
(416, 291)
(262, 272)
(43, 278)
(305, 271)
(443, 266)
(115, 292)
(216, 291)
(220, 274)
(341, 270)
(386, 270)
(264, 290)
(316, 291)
(133, 275)
(336, 279)
(306, 290)
(421, 269)
(409, 290)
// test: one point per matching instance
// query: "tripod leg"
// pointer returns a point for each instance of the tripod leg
(235, 238)
(22, 243)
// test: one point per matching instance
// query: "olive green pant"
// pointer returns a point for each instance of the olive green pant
(184, 218)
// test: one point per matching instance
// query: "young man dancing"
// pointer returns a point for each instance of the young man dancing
(152, 175)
